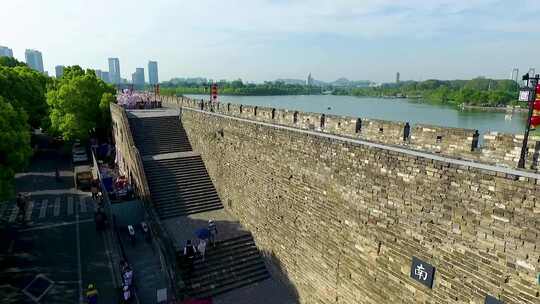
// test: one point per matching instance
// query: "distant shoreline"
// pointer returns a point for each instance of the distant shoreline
(495, 109)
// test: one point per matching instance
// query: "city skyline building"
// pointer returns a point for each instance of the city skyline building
(59, 71)
(105, 76)
(153, 72)
(137, 78)
(309, 81)
(397, 77)
(5, 51)
(34, 59)
(114, 70)
(532, 71)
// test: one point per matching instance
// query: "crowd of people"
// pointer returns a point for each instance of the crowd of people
(137, 100)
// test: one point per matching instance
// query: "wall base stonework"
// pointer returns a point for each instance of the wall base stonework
(344, 220)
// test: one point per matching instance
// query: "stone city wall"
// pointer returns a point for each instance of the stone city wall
(344, 219)
(455, 142)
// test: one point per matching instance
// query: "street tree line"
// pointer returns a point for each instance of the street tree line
(70, 107)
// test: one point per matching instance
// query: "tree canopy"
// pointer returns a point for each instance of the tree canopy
(10, 62)
(15, 147)
(25, 88)
(79, 103)
(479, 91)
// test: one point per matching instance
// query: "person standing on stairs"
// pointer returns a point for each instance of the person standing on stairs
(201, 248)
(212, 232)
(189, 254)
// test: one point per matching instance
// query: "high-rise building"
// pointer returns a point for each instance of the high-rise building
(105, 77)
(59, 69)
(5, 51)
(34, 59)
(114, 70)
(138, 77)
(532, 71)
(309, 81)
(98, 73)
(397, 77)
(152, 72)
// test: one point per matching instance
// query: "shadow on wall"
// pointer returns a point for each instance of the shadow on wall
(279, 289)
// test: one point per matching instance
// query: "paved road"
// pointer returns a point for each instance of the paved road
(59, 244)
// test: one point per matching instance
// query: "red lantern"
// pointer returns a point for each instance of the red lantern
(536, 105)
(535, 121)
(538, 89)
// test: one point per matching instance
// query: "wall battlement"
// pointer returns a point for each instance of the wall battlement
(497, 149)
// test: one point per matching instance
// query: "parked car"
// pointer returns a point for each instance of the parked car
(82, 176)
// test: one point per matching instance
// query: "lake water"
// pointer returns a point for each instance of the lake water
(389, 109)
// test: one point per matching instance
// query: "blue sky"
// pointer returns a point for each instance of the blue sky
(259, 40)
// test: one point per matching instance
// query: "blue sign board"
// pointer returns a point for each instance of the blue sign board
(422, 272)
(492, 300)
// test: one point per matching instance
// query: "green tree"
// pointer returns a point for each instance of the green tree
(79, 103)
(25, 88)
(10, 62)
(14, 145)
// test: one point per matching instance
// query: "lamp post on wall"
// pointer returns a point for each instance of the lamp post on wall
(528, 93)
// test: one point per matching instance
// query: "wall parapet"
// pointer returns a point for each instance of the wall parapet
(499, 149)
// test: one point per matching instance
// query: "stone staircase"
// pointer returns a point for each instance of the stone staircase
(159, 134)
(180, 186)
(231, 264)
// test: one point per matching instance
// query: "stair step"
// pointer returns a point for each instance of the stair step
(243, 266)
(191, 211)
(179, 205)
(192, 185)
(231, 283)
(232, 258)
(246, 282)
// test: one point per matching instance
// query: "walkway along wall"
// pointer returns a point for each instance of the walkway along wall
(498, 149)
(130, 164)
(345, 218)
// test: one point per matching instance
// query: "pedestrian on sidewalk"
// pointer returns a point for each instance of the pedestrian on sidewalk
(128, 276)
(94, 189)
(22, 203)
(57, 174)
(91, 294)
(201, 248)
(212, 232)
(126, 294)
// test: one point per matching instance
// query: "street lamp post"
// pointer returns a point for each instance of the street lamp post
(527, 93)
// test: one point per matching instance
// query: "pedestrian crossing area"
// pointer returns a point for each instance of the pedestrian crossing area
(42, 209)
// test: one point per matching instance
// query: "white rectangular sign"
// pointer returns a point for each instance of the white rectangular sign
(524, 95)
